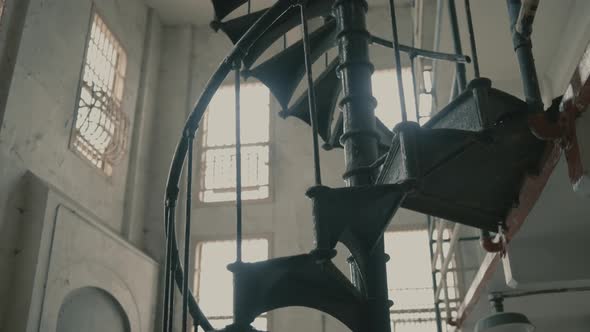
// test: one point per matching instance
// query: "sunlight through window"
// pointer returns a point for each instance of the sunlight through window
(214, 283)
(218, 169)
(409, 279)
(385, 90)
(101, 127)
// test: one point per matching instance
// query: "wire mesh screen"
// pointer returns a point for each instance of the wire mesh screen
(101, 128)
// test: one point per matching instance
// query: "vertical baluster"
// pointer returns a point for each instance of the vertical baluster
(461, 81)
(238, 164)
(472, 38)
(167, 269)
(173, 259)
(415, 86)
(311, 97)
(398, 63)
(187, 230)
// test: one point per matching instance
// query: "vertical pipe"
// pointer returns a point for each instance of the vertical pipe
(187, 231)
(359, 139)
(169, 306)
(167, 268)
(430, 224)
(311, 98)
(437, 28)
(238, 165)
(472, 38)
(415, 85)
(524, 53)
(460, 67)
(398, 62)
(358, 105)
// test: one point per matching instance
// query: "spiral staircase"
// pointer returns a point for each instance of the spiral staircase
(466, 164)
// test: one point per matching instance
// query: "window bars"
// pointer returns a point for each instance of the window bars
(213, 282)
(100, 133)
(218, 153)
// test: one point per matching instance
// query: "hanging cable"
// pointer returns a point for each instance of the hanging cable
(461, 81)
(311, 97)
(472, 38)
(398, 63)
(187, 230)
(238, 165)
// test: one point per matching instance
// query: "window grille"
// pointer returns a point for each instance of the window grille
(218, 175)
(409, 277)
(214, 283)
(101, 128)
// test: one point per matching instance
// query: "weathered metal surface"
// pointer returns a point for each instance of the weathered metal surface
(523, 48)
(327, 87)
(356, 216)
(237, 27)
(531, 191)
(494, 142)
(283, 72)
(297, 281)
(561, 136)
(222, 8)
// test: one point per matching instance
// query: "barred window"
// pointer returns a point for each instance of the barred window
(101, 128)
(218, 168)
(385, 90)
(409, 278)
(214, 283)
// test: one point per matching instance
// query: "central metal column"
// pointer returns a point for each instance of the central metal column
(360, 139)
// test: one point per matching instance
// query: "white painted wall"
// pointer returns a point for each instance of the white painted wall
(35, 134)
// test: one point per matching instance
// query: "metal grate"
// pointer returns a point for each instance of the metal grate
(101, 129)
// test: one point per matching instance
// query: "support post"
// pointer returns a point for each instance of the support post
(524, 53)
(360, 139)
(460, 70)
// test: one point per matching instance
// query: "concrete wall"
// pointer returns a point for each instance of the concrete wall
(66, 248)
(36, 127)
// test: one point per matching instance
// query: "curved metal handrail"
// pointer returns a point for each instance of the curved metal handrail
(191, 125)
